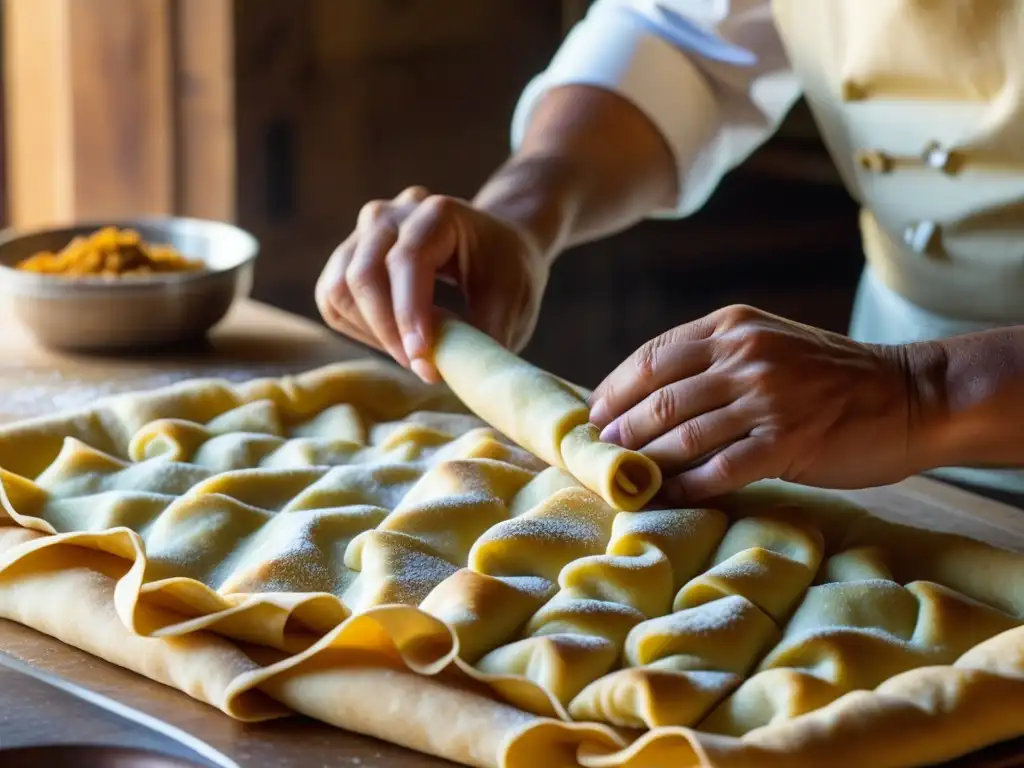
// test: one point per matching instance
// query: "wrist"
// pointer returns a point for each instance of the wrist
(931, 432)
(535, 194)
(983, 420)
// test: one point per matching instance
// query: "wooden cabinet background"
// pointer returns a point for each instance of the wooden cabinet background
(342, 102)
(289, 115)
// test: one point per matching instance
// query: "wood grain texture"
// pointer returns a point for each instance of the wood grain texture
(291, 743)
(118, 108)
(121, 112)
(38, 111)
(39, 705)
(204, 91)
(339, 103)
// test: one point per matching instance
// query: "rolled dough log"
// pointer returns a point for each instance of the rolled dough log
(542, 414)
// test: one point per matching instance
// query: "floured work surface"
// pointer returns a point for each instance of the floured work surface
(254, 340)
(353, 546)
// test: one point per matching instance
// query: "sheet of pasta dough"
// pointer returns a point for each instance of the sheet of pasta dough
(310, 544)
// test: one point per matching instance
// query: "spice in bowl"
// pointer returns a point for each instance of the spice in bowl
(110, 252)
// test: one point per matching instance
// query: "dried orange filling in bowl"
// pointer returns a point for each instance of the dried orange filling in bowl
(110, 252)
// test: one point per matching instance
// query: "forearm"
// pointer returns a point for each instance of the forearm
(973, 390)
(591, 164)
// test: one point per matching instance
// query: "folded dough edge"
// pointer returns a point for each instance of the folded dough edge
(925, 715)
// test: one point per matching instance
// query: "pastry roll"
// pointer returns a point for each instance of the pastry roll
(541, 413)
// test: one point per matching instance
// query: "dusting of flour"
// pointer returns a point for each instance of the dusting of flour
(41, 391)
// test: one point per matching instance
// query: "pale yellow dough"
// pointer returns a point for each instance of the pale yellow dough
(541, 413)
(303, 544)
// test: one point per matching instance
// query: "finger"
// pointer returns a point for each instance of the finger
(333, 298)
(667, 408)
(427, 241)
(643, 359)
(698, 438)
(740, 464)
(332, 277)
(354, 333)
(367, 280)
(341, 324)
(656, 364)
(412, 195)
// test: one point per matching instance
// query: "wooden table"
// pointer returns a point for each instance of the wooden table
(258, 340)
(254, 340)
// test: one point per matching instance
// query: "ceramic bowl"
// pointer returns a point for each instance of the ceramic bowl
(130, 312)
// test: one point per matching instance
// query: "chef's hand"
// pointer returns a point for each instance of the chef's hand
(768, 398)
(378, 286)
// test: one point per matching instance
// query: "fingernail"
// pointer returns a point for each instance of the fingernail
(415, 345)
(423, 369)
(610, 434)
(598, 412)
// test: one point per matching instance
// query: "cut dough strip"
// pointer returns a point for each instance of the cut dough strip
(542, 414)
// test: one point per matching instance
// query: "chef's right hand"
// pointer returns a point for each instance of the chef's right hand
(378, 286)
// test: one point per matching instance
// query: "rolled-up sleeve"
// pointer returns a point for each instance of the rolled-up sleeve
(711, 75)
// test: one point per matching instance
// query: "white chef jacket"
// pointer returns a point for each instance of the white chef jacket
(714, 78)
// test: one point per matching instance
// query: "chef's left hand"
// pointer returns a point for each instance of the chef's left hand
(769, 398)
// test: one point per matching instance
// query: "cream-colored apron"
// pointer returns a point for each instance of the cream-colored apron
(921, 104)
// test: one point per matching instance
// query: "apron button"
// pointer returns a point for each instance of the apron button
(852, 91)
(874, 161)
(921, 237)
(941, 159)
